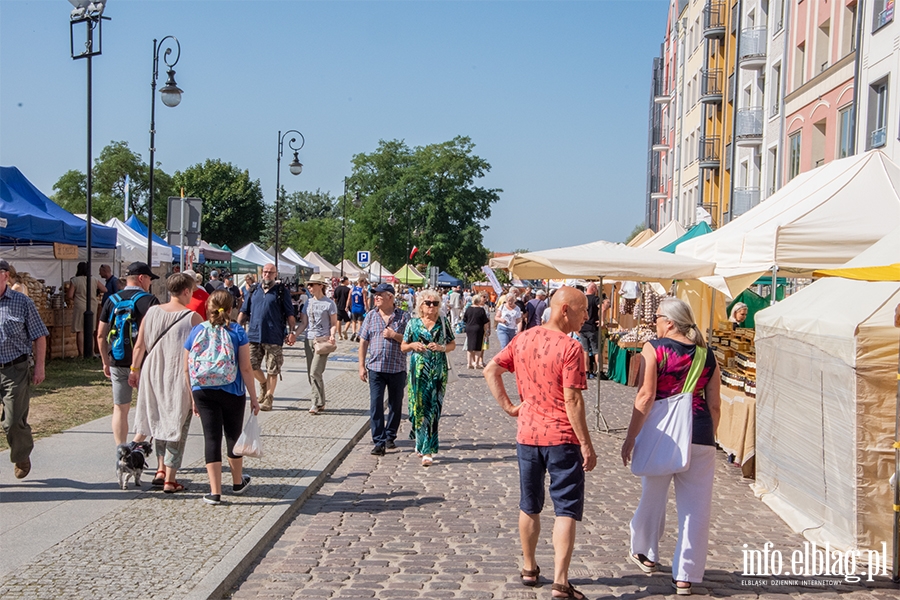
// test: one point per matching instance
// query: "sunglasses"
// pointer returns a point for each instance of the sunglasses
(431, 303)
(657, 317)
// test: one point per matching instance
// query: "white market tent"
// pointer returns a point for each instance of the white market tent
(607, 260)
(326, 269)
(295, 258)
(377, 273)
(664, 236)
(820, 220)
(826, 400)
(256, 255)
(881, 262)
(132, 246)
(350, 270)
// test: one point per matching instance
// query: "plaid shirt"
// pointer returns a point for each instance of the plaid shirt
(384, 355)
(20, 325)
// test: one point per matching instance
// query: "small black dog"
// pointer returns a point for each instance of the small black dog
(131, 462)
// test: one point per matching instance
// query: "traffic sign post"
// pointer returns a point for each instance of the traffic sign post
(362, 258)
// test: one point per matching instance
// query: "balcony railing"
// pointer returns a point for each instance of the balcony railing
(749, 126)
(711, 85)
(753, 47)
(714, 19)
(744, 199)
(708, 153)
(879, 137)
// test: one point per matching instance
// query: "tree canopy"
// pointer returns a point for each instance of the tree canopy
(309, 221)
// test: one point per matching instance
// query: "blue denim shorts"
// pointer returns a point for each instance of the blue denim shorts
(564, 463)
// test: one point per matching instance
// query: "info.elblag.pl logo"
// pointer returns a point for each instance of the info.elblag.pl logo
(812, 562)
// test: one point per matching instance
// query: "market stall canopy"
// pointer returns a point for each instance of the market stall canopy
(664, 236)
(701, 228)
(640, 238)
(410, 276)
(294, 257)
(878, 263)
(377, 273)
(820, 220)
(501, 262)
(350, 270)
(253, 253)
(212, 253)
(134, 223)
(304, 269)
(133, 246)
(27, 215)
(606, 259)
(326, 269)
(445, 279)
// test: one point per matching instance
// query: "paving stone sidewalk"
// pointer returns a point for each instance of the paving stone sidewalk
(155, 545)
(385, 527)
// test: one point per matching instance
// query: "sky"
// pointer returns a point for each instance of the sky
(554, 95)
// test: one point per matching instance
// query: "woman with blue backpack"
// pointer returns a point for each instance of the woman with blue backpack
(216, 365)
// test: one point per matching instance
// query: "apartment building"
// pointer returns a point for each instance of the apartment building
(879, 80)
(821, 66)
(771, 172)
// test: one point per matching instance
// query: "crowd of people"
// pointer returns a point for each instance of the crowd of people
(210, 345)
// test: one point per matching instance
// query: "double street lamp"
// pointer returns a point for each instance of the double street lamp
(356, 202)
(91, 14)
(296, 167)
(170, 94)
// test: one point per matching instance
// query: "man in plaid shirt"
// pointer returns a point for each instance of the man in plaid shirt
(383, 365)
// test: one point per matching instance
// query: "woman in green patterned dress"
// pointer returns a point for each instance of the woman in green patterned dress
(428, 338)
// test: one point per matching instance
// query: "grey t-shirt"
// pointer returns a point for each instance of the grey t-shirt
(319, 314)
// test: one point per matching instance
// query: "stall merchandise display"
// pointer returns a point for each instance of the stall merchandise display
(735, 352)
(51, 306)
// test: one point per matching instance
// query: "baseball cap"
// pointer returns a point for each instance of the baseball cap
(4, 266)
(139, 268)
(384, 287)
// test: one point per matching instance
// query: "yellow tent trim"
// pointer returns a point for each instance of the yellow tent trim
(886, 273)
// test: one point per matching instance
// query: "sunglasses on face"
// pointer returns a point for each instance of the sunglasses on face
(658, 317)
(431, 303)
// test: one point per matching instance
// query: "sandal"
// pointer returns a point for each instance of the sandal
(644, 564)
(158, 481)
(569, 590)
(176, 487)
(533, 576)
(682, 591)
(316, 410)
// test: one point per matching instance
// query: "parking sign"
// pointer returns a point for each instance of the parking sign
(362, 258)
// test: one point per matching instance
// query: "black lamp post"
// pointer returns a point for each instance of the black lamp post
(171, 96)
(356, 203)
(91, 14)
(296, 168)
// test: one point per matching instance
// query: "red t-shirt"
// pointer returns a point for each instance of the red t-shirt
(198, 302)
(545, 362)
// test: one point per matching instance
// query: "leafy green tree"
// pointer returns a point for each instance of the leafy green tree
(425, 196)
(233, 205)
(309, 221)
(635, 232)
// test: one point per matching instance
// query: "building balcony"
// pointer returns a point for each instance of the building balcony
(659, 196)
(749, 127)
(709, 155)
(879, 138)
(744, 199)
(711, 86)
(714, 19)
(753, 48)
(661, 146)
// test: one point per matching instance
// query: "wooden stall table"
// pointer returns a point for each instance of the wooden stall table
(737, 429)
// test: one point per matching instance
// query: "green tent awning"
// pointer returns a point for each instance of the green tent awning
(701, 228)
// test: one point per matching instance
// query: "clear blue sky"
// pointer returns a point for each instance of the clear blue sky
(554, 95)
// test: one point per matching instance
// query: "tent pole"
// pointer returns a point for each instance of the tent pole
(895, 559)
(712, 314)
(774, 284)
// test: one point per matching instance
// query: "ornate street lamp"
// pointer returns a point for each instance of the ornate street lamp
(91, 14)
(296, 167)
(170, 94)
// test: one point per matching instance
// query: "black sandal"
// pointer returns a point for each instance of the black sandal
(526, 573)
(569, 590)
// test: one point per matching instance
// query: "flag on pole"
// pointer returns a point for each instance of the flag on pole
(413, 253)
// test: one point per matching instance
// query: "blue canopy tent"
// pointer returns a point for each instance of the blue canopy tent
(30, 217)
(446, 280)
(138, 226)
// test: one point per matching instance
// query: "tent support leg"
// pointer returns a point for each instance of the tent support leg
(774, 285)
(602, 424)
(895, 559)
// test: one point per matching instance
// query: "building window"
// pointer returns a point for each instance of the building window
(882, 13)
(777, 11)
(775, 91)
(845, 122)
(848, 37)
(773, 171)
(799, 65)
(878, 114)
(794, 156)
(823, 47)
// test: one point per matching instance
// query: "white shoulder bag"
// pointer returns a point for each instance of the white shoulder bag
(663, 446)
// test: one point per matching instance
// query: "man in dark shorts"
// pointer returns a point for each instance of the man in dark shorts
(552, 430)
(590, 331)
(341, 295)
(358, 305)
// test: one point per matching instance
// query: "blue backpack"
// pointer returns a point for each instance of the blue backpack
(123, 330)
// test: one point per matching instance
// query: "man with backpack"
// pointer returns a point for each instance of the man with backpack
(120, 319)
(268, 307)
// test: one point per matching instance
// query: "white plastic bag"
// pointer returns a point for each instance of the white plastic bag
(249, 445)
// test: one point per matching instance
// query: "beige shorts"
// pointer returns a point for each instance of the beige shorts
(271, 353)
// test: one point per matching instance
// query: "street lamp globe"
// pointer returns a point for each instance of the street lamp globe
(171, 93)
(296, 167)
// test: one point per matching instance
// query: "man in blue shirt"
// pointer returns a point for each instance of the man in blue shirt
(357, 306)
(267, 309)
(383, 365)
(23, 344)
(112, 283)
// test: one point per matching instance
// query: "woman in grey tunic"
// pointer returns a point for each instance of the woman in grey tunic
(321, 314)
(164, 399)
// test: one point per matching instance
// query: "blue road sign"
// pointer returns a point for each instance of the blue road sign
(362, 258)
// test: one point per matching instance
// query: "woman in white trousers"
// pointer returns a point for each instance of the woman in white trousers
(664, 367)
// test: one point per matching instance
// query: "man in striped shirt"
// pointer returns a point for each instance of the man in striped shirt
(383, 365)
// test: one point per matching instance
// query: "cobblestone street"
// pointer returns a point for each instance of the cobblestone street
(385, 527)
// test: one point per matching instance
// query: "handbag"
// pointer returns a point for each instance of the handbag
(249, 444)
(322, 345)
(663, 446)
(452, 375)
